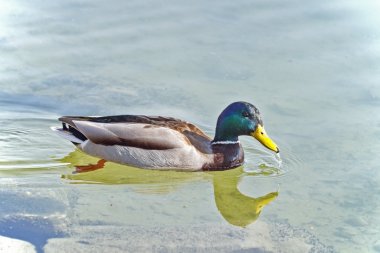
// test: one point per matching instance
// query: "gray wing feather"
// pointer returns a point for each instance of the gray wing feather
(132, 134)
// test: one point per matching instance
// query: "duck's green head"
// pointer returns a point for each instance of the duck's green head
(242, 118)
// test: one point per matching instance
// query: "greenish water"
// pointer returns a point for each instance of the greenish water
(312, 68)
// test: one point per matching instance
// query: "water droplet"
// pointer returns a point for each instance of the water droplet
(279, 160)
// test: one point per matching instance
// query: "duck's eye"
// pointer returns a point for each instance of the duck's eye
(245, 114)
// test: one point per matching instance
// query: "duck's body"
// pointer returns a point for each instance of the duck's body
(158, 142)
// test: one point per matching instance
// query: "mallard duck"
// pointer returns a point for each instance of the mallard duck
(156, 142)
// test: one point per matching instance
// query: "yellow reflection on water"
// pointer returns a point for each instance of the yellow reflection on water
(151, 181)
(236, 208)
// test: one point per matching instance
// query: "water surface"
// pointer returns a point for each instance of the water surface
(312, 68)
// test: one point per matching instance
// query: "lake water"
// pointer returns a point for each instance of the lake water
(311, 67)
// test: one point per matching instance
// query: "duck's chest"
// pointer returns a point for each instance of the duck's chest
(225, 156)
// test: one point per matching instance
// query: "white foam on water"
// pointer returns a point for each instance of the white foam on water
(279, 160)
(14, 245)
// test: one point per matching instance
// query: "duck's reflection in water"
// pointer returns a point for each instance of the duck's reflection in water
(236, 208)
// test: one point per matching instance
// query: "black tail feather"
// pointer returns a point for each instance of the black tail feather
(74, 131)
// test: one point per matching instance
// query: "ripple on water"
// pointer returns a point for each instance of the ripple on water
(26, 141)
(263, 162)
(32, 169)
(27, 164)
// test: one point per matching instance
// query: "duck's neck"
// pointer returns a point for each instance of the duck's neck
(227, 148)
(226, 130)
(224, 142)
(222, 137)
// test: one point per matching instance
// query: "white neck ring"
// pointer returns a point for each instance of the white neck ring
(224, 142)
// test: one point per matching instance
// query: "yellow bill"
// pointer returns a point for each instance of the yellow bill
(264, 139)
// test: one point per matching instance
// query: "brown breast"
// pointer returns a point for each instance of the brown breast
(226, 156)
